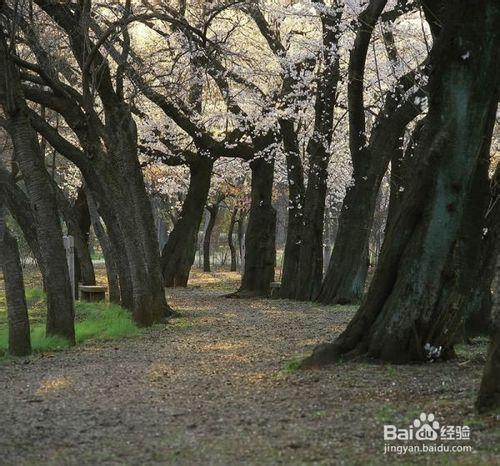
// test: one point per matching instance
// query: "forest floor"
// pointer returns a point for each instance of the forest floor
(218, 386)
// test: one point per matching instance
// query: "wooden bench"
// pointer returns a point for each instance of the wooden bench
(275, 288)
(92, 293)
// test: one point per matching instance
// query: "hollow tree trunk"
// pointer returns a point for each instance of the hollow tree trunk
(260, 251)
(212, 210)
(17, 310)
(401, 319)
(489, 392)
(60, 311)
(230, 239)
(179, 253)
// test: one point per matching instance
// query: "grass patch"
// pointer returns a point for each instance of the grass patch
(293, 366)
(102, 321)
(93, 321)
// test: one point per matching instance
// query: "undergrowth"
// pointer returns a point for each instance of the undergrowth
(93, 321)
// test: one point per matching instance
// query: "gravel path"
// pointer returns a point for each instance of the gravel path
(211, 388)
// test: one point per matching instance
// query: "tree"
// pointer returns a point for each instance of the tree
(489, 392)
(60, 312)
(402, 318)
(17, 310)
(107, 144)
(345, 279)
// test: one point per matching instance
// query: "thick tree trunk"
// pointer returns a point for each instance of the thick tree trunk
(230, 239)
(478, 303)
(19, 206)
(212, 210)
(310, 266)
(260, 251)
(489, 392)
(402, 163)
(60, 312)
(402, 319)
(304, 269)
(179, 253)
(472, 263)
(296, 195)
(153, 302)
(17, 310)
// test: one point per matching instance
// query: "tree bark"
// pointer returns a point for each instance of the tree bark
(17, 310)
(344, 281)
(84, 269)
(489, 392)
(60, 312)
(401, 319)
(230, 239)
(112, 269)
(179, 253)
(212, 210)
(260, 250)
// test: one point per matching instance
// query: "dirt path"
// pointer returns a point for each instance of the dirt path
(211, 389)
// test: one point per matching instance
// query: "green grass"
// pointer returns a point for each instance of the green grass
(93, 321)
(294, 365)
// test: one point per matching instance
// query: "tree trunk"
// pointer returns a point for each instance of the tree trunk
(179, 253)
(260, 251)
(230, 239)
(112, 269)
(85, 269)
(296, 195)
(151, 302)
(345, 279)
(212, 212)
(402, 318)
(473, 259)
(241, 241)
(310, 266)
(489, 392)
(60, 312)
(304, 269)
(402, 163)
(17, 310)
